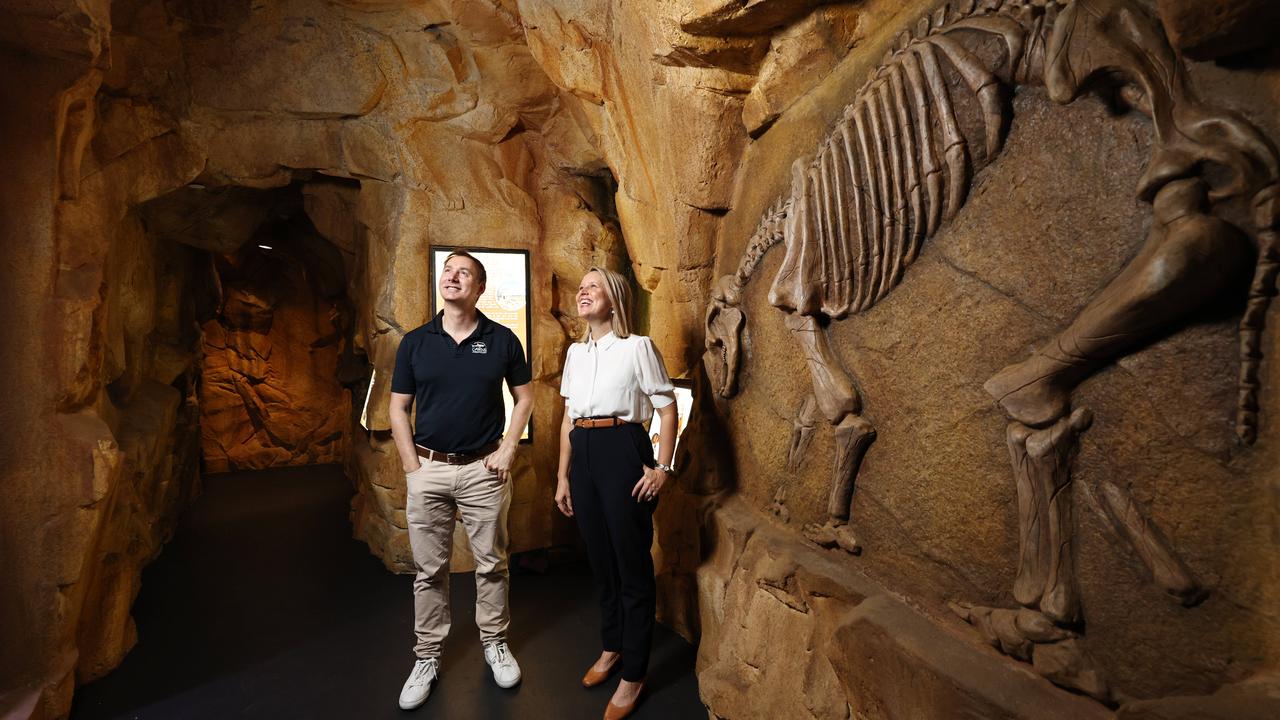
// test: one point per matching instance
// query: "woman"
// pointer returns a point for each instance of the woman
(608, 478)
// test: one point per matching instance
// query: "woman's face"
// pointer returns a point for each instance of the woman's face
(593, 301)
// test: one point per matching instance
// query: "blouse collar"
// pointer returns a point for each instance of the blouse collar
(604, 342)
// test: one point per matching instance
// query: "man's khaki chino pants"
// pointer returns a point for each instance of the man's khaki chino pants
(435, 492)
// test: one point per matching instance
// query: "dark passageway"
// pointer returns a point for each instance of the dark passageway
(263, 606)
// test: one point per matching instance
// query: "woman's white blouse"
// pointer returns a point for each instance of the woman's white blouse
(615, 377)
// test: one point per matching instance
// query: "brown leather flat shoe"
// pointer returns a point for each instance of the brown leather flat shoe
(617, 712)
(595, 677)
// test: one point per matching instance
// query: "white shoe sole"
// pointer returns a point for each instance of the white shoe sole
(414, 706)
(507, 685)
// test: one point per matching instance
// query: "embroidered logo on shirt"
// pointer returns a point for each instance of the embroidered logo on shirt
(479, 348)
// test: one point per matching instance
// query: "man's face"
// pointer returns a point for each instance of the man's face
(459, 282)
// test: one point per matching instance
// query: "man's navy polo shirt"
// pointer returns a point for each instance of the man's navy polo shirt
(457, 387)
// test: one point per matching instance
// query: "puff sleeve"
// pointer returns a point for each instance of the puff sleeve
(566, 372)
(651, 374)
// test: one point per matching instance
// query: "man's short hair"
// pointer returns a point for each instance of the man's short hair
(481, 273)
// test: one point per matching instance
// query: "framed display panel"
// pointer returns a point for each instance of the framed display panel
(505, 299)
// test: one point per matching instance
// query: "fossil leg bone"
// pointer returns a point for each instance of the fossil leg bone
(801, 435)
(802, 432)
(1189, 255)
(1042, 475)
(1046, 583)
(1168, 570)
(838, 401)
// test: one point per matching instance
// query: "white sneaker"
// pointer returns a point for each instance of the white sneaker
(418, 686)
(506, 671)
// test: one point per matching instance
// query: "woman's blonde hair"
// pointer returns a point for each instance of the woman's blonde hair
(619, 292)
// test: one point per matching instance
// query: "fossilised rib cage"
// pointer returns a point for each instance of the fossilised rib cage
(899, 160)
(897, 163)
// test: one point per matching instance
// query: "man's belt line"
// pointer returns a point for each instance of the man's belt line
(456, 458)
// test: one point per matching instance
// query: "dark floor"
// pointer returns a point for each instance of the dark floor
(264, 607)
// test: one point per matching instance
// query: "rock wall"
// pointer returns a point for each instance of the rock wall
(269, 392)
(27, 139)
(1169, 529)
(661, 109)
(99, 414)
(770, 603)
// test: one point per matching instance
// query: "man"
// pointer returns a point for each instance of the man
(452, 368)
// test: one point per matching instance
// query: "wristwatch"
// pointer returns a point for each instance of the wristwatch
(665, 468)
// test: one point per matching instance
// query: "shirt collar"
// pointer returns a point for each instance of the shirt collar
(604, 342)
(484, 326)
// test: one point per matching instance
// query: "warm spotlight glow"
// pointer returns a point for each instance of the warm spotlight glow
(684, 407)
(364, 411)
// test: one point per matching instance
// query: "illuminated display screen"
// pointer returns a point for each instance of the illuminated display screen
(684, 406)
(505, 299)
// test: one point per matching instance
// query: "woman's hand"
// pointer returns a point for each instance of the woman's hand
(649, 485)
(563, 501)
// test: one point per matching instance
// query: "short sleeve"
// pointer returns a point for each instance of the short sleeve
(402, 380)
(564, 372)
(652, 374)
(518, 372)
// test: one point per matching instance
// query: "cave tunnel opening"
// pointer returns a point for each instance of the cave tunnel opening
(278, 377)
(277, 351)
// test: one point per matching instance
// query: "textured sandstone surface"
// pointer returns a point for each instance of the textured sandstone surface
(147, 138)
(269, 393)
(789, 632)
(1208, 29)
(1045, 227)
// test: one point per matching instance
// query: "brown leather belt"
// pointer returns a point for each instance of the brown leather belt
(456, 458)
(598, 422)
